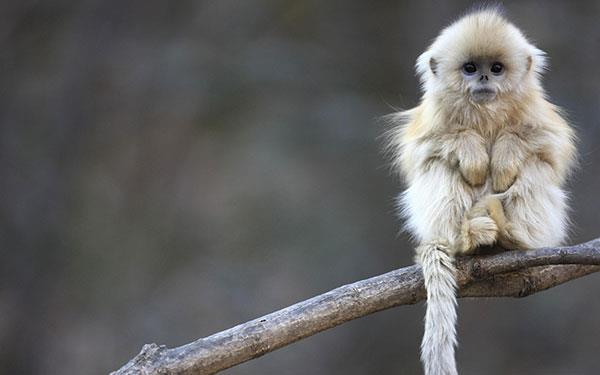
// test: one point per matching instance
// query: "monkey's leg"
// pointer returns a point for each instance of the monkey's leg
(535, 208)
(435, 205)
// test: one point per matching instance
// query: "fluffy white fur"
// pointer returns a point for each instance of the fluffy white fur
(478, 173)
(437, 348)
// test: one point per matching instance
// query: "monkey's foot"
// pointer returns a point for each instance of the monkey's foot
(477, 231)
(483, 225)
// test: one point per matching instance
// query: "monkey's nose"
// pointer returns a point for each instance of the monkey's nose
(484, 76)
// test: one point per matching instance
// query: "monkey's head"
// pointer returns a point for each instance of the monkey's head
(482, 58)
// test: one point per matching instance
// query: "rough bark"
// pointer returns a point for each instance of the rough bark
(507, 274)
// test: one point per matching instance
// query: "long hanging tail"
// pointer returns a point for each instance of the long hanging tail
(439, 339)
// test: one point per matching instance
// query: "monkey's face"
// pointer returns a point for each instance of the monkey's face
(481, 59)
(483, 79)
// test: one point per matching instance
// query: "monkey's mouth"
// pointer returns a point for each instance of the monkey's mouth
(483, 94)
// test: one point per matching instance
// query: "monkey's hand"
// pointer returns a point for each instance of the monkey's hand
(481, 225)
(508, 154)
(471, 157)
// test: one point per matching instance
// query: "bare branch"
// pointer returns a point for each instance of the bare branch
(508, 274)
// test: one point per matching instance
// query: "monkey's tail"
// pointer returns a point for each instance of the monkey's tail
(439, 339)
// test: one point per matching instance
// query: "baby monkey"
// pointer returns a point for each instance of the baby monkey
(485, 157)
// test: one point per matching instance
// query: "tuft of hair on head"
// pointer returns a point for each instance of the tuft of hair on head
(495, 7)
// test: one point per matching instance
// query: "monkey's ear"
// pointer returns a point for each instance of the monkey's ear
(529, 62)
(433, 65)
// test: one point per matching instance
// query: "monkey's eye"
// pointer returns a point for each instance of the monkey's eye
(469, 68)
(497, 68)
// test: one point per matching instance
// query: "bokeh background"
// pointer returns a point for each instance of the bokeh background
(172, 168)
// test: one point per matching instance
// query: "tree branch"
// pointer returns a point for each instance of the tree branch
(507, 274)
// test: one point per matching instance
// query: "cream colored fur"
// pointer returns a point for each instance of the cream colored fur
(478, 173)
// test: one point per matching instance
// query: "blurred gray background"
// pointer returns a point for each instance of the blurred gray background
(172, 168)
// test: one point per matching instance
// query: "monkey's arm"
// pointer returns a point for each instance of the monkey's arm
(551, 140)
(535, 205)
(465, 149)
(462, 150)
(508, 154)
